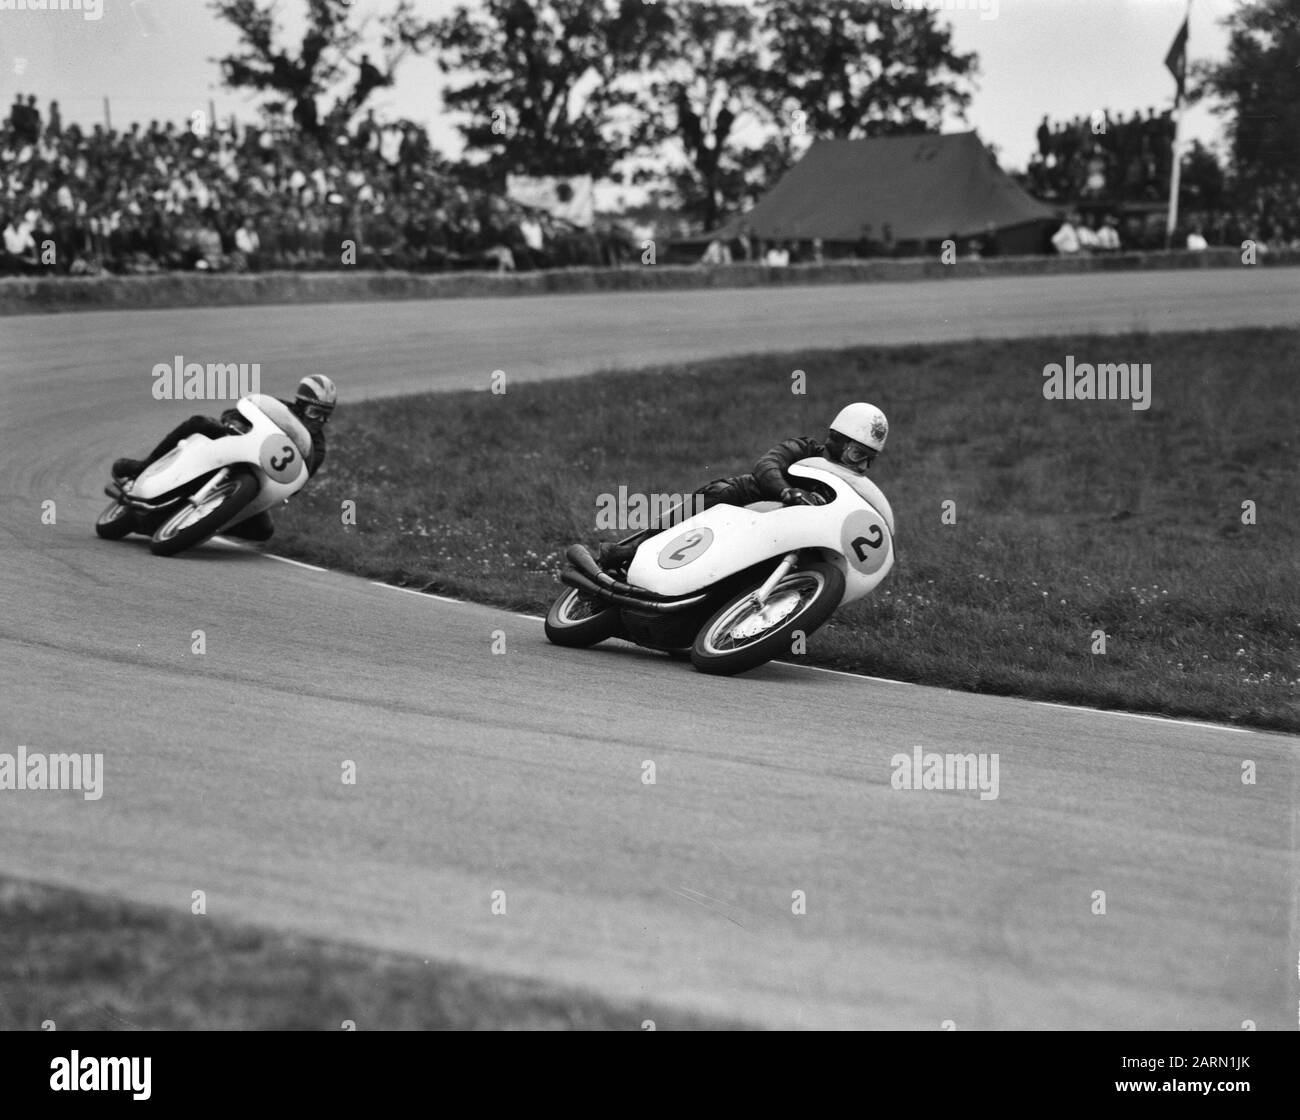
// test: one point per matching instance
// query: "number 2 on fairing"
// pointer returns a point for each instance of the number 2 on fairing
(685, 548)
(689, 543)
(862, 543)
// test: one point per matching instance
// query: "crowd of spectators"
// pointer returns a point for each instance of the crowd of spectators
(160, 197)
(1103, 157)
(1268, 216)
(1110, 177)
(780, 252)
(156, 198)
(1270, 223)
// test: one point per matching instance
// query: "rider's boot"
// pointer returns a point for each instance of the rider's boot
(126, 469)
(614, 557)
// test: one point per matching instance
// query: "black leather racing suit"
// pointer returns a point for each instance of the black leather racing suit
(764, 484)
(768, 478)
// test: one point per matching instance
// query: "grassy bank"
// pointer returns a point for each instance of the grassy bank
(91, 963)
(1071, 516)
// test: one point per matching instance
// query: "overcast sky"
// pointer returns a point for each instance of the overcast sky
(152, 58)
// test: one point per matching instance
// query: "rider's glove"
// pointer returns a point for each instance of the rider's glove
(793, 496)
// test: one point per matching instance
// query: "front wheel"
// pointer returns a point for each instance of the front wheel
(578, 620)
(115, 522)
(743, 635)
(196, 522)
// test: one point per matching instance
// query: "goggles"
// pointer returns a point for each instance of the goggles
(857, 454)
(317, 412)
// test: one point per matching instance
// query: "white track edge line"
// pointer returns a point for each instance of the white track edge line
(815, 668)
(295, 563)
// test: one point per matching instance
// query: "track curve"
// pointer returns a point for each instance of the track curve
(523, 772)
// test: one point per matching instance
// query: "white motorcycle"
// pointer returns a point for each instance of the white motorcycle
(203, 485)
(732, 585)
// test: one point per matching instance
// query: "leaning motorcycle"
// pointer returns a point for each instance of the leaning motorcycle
(203, 485)
(733, 585)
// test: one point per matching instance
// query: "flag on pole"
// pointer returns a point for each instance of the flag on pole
(1176, 59)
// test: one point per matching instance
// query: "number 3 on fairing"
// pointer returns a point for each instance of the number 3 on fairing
(279, 458)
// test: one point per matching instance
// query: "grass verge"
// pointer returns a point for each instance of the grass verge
(85, 962)
(1072, 517)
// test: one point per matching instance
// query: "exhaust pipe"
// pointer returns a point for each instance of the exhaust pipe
(578, 556)
(571, 577)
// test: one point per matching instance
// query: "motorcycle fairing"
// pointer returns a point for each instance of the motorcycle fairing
(176, 469)
(725, 540)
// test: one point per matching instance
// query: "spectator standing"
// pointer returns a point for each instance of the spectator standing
(1066, 239)
(33, 119)
(1108, 236)
(717, 253)
(20, 245)
(777, 256)
(1044, 138)
(744, 239)
(888, 246)
(1086, 231)
(248, 244)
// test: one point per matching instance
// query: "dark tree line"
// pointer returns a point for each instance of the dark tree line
(711, 99)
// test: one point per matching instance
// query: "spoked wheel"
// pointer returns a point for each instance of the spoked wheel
(742, 635)
(197, 521)
(115, 522)
(580, 620)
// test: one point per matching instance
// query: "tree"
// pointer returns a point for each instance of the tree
(322, 60)
(862, 67)
(555, 86)
(1201, 186)
(1259, 85)
(704, 89)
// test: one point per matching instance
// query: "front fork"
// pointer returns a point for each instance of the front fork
(783, 569)
(196, 499)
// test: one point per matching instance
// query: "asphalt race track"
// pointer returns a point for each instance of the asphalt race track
(523, 773)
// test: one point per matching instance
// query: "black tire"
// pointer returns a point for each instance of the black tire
(819, 587)
(175, 535)
(575, 620)
(115, 522)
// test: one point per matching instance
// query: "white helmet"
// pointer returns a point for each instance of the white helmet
(858, 434)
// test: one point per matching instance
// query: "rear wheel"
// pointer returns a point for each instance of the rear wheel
(115, 522)
(196, 522)
(579, 620)
(742, 635)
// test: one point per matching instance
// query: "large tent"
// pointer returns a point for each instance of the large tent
(925, 188)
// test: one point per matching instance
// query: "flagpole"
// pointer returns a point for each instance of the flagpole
(1175, 156)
